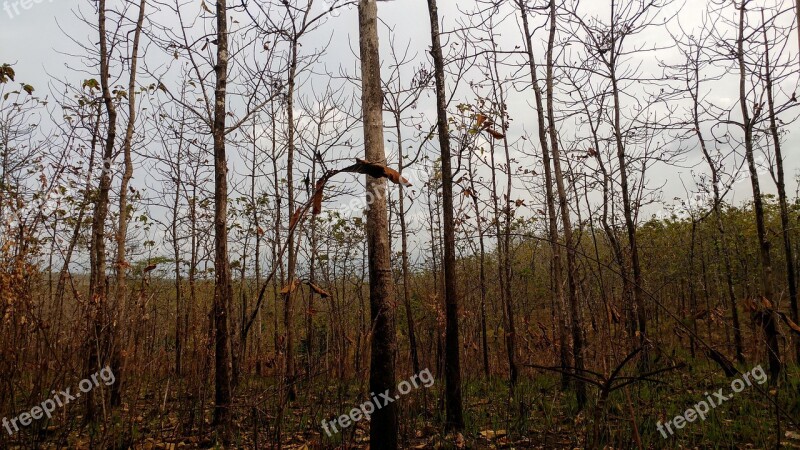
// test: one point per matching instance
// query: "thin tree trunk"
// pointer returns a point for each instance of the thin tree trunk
(555, 248)
(292, 257)
(781, 185)
(122, 232)
(767, 321)
(412, 336)
(223, 289)
(723, 242)
(566, 223)
(96, 352)
(455, 416)
(627, 207)
(482, 262)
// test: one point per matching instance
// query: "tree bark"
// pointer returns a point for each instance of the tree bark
(122, 231)
(566, 223)
(555, 248)
(97, 331)
(412, 336)
(454, 415)
(767, 322)
(223, 289)
(781, 185)
(383, 427)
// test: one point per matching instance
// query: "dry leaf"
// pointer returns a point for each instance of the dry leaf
(295, 218)
(495, 134)
(318, 290)
(492, 434)
(376, 170)
(291, 287)
(794, 327)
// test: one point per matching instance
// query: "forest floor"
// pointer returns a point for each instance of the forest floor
(539, 415)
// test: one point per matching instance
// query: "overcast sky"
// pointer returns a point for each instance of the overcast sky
(35, 40)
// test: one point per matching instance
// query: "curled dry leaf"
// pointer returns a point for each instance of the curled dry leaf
(296, 217)
(318, 290)
(377, 170)
(790, 323)
(291, 287)
(318, 190)
(374, 170)
(495, 134)
(484, 123)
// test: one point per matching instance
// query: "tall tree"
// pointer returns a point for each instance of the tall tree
(780, 179)
(555, 247)
(767, 318)
(383, 428)
(455, 415)
(223, 288)
(97, 278)
(566, 223)
(122, 230)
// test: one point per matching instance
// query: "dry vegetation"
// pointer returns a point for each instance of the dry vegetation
(254, 241)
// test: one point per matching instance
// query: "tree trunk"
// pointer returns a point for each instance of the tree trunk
(627, 206)
(781, 185)
(383, 427)
(768, 321)
(723, 242)
(566, 223)
(97, 331)
(223, 289)
(122, 231)
(455, 416)
(482, 262)
(412, 336)
(555, 248)
(292, 257)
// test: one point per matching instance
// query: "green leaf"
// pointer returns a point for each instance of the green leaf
(6, 73)
(91, 84)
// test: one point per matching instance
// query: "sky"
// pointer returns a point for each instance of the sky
(39, 38)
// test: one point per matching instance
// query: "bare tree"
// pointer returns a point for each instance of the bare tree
(455, 416)
(383, 428)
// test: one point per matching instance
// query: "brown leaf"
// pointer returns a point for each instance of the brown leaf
(495, 134)
(318, 190)
(150, 268)
(376, 170)
(295, 217)
(790, 323)
(291, 287)
(318, 290)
